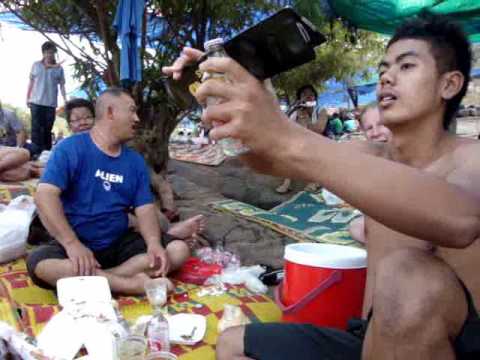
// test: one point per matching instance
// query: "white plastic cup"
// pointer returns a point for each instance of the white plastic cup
(156, 290)
(132, 347)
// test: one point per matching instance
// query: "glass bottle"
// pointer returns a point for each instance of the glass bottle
(214, 48)
(158, 332)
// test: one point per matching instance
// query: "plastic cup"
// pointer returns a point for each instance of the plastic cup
(161, 355)
(132, 347)
(156, 290)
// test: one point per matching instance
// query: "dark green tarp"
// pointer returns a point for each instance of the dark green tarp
(384, 16)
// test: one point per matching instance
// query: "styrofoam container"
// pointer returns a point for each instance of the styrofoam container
(79, 289)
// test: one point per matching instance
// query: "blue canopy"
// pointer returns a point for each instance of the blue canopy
(128, 23)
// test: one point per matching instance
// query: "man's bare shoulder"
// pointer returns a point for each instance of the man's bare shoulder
(465, 165)
(466, 153)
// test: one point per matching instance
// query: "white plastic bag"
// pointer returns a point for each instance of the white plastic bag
(44, 156)
(247, 275)
(15, 222)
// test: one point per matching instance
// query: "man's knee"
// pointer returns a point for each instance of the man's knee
(43, 276)
(230, 343)
(178, 248)
(414, 288)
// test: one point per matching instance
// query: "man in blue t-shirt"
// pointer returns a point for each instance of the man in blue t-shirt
(91, 181)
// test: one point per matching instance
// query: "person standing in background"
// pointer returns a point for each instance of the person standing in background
(45, 78)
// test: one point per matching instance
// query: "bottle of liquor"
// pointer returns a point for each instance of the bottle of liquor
(158, 332)
(214, 48)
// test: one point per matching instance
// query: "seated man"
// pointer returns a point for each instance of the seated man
(14, 161)
(369, 120)
(420, 193)
(91, 181)
(12, 131)
(80, 115)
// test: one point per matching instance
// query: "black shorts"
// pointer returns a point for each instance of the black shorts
(127, 246)
(280, 341)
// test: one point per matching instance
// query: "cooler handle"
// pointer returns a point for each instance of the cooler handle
(334, 278)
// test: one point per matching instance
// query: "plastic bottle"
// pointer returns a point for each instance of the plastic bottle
(214, 48)
(158, 333)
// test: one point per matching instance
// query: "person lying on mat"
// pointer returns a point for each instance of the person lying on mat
(369, 120)
(15, 165)
(89, 184)
(80, 115)
(420, 193)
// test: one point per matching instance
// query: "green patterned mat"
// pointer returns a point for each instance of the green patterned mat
(305, 217)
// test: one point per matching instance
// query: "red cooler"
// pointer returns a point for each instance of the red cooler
(323, 284)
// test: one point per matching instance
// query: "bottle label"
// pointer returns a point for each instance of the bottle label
(156, 345)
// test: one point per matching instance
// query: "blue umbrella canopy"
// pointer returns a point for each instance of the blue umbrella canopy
(128, 23)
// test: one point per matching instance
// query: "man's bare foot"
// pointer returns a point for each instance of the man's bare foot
(188, 228)
(123, 284)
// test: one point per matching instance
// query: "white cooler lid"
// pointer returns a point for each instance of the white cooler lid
(326, 256)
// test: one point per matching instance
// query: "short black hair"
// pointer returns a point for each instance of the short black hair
(449, 46)
(305, 87)
(111, 91)
(116, 91)
(49, 45)
(78, 103)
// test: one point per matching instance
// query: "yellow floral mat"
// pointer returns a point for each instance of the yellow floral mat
(9, 191)
(29, 308)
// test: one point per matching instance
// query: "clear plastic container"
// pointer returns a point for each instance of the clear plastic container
(161, 355)
(214, 48)
(131, 347)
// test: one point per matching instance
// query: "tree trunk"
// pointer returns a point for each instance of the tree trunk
(158, 122)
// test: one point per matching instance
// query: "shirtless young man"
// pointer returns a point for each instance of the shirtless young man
(420, 193)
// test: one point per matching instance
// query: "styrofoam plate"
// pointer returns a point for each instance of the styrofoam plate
(183, 324)
(80, 289)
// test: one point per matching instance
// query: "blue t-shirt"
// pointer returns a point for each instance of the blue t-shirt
(97, 189)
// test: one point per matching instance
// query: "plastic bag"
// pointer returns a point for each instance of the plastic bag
(44, 156)
(247, 275)
(218, 256)
(15, 222)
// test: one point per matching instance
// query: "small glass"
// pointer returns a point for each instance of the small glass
(156, 290)
(131, 347)
(161, 355)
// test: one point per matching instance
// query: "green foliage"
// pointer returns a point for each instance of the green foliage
(346, 53)
(174, 24)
